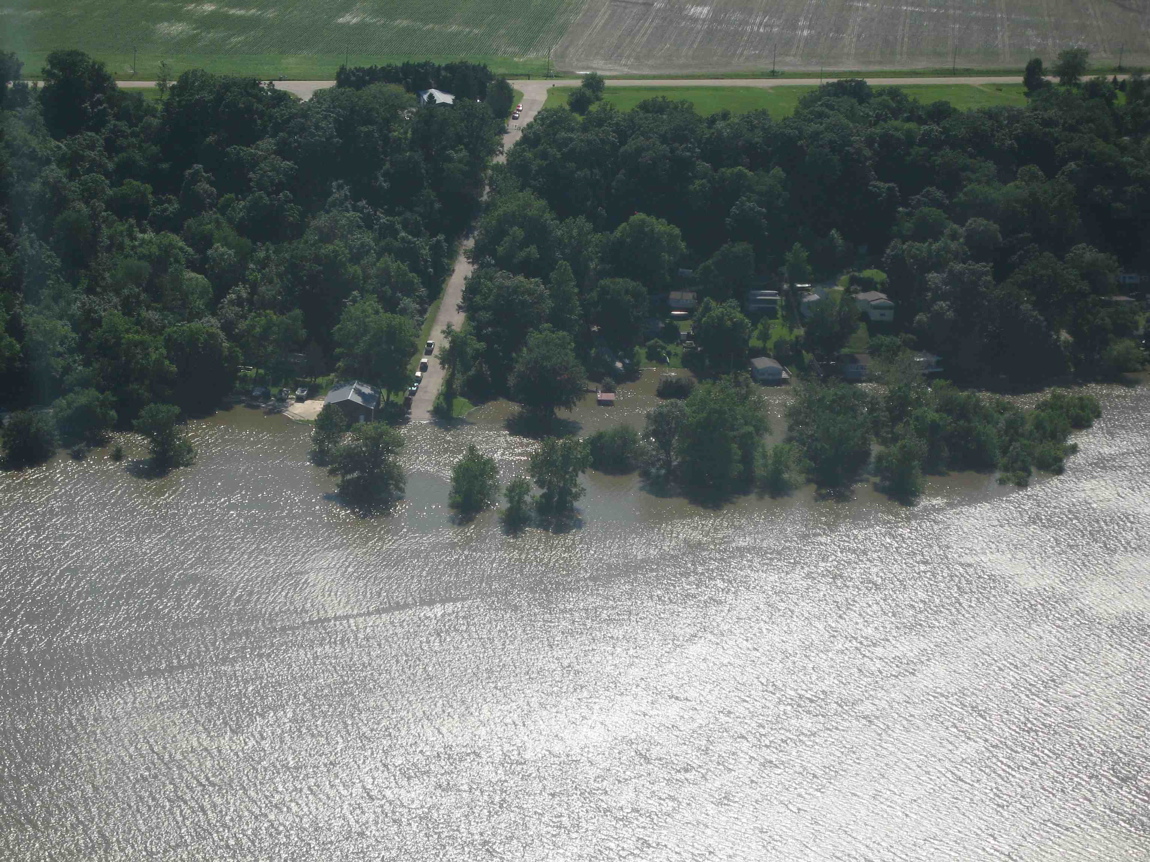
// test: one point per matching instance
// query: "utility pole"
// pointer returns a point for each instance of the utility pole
(1121, 50)
(954, 60)
(774, 54)
(134, 61)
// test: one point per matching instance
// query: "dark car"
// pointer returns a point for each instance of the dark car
(261, 393)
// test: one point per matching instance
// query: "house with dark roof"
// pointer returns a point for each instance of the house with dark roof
(357, 401)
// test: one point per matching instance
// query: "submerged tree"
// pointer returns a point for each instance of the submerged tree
(474, 483)
(367, 464)
(28, 438)
(518, 512)
(330, 426)
(555, 468)
(168, 447)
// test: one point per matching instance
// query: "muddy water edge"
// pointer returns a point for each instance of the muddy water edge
(226, 664)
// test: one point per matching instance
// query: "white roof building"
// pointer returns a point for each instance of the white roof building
(437, 97)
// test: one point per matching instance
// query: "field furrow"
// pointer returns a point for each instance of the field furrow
(682, 36)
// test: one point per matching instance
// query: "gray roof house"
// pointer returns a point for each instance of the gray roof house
(875, 304)
(771, 371)
(356, 400)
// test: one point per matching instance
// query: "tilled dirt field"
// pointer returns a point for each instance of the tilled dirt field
(681, 36)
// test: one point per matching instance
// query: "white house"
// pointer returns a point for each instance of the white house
(768, 371)
(876, 305)
(435, 97)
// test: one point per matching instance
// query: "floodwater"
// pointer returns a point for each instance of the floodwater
(225, 664)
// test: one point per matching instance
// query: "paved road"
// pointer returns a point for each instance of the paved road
(449, 311)
(305, 89)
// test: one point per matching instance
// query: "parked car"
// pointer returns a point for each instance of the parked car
(411, 390)
(284, 394)
(515, 116)
(519, 107)
(301, 393)
(261, 393)
(423, 365)
(429, 348)
(418, 377)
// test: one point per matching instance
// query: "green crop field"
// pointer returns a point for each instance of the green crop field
(301, 39)
(307, 39)
(781, 101)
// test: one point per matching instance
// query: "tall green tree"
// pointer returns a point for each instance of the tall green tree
(829, 426)
(647, 250)
(728, 273)
(721, 434)
(1072, 66)
(619, 308)
(367, 463)
(723, 335)
(375, 346)
(830, 326)
(206, 366)
(661, 430)
(547, 374)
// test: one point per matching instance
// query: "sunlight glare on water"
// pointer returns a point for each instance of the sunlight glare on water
(225, 664)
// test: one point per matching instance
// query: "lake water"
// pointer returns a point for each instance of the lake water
(225, 664)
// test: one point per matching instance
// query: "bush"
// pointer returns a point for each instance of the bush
(615, 450)
(28, 438)
(84, 417)
(675, 386)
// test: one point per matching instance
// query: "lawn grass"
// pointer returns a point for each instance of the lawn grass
(781, 102)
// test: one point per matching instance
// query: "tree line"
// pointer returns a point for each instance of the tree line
(149, 249)
(999, 233)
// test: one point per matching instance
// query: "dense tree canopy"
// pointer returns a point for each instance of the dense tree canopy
(148, 250)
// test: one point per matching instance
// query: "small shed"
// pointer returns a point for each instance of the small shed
(768, 371)
(604, 399)
(357, 401)
(855, 366)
